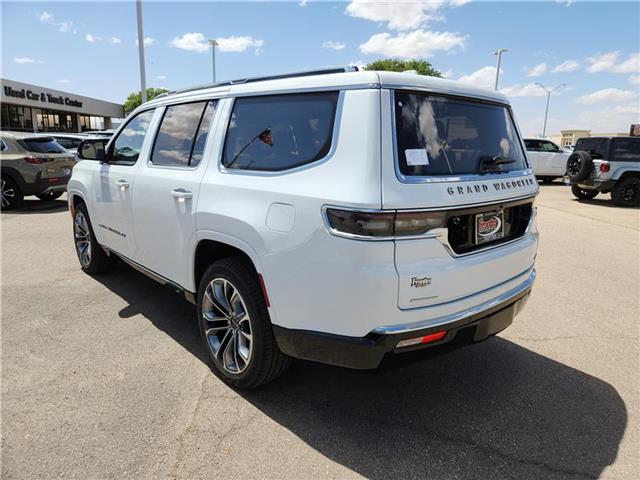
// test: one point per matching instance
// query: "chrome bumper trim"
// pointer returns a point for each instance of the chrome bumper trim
(455, 317)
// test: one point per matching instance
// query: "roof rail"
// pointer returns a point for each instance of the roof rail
(303, 73)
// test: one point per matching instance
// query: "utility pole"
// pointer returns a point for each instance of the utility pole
(546, 112)
(499, 53)
(143, 80)
(213, 44)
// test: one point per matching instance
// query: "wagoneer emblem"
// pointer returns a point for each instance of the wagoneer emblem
(420, 282)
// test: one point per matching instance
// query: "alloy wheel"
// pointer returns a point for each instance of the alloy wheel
(631, 192)
(82, 238)
(7, 193)
(227, 326)
(573, 167)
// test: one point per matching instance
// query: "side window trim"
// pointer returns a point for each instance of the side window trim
(156, 132)
(227, 114)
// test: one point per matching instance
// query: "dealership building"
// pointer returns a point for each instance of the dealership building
(31, 108)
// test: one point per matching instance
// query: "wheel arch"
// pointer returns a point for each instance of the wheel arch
(13, 174)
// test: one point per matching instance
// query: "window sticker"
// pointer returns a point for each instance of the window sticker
(416, 156)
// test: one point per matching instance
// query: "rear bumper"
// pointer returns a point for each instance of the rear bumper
(604, 186)
(367, 352)
(46, 185)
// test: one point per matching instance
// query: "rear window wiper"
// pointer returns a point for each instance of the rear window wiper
(487, 164)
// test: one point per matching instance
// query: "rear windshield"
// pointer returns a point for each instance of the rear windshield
(448, 136)
(42, 145)
(597, 147)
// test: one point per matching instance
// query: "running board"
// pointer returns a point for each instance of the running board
(189, 296)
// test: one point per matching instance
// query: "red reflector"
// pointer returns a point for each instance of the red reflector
(434, 337)
(36, 160)
(263, 287)
(604, 167)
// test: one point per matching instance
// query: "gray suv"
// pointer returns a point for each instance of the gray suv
(32, 164)
(606, 164)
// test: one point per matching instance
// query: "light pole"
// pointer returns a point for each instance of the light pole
(546, 112)
(143, 81)
(213, 44)
(499, 53)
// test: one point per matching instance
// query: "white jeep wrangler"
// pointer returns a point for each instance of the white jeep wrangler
(335, 215)
(606, 164)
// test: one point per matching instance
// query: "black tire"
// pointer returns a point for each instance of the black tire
(49, 196)
(583, 193)
(12, 196)
(266, 362)
(98, 260)
(626, 193)
(579, 166)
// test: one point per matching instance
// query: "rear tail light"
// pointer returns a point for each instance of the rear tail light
(430, 338)
(384, 224)
(604, 167)
(37, 160)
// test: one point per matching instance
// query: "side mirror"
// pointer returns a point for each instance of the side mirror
(92, 149)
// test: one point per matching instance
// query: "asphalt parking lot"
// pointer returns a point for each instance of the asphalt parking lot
(106, 377)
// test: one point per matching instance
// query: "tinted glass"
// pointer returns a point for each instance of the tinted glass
(177, 133)
(126, 148)
(532, 145)
(201, 137)
(626, 149)
(280, 132)
(597, 147)
(548, 147)
(443, 136)
(68, 142)
(42, 145)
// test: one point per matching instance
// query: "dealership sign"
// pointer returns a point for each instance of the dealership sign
(41, 97)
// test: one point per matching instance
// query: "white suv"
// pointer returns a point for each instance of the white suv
(336, 215)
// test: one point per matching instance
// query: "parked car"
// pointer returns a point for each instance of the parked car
(335, 216)
(606, 164)
(100, 133)
(547, 158)
(32, 164)
(69, 141)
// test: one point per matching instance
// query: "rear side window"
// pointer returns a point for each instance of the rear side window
(42, 145)
(279, 132)
(626, 150)
(597, 147)
(182, 134)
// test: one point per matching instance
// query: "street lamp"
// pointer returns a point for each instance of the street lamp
(143, 81)
(546, 112)
(213, 44)
(499, 53)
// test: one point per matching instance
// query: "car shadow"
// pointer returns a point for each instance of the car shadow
(35, 205)
(492, 410)
(602, 202)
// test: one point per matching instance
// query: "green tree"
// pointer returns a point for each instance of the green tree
(134, 99)
(398, 65)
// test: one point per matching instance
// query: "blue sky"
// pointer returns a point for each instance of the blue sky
(90, 48)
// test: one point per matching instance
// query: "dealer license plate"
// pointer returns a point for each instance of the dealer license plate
(489, 226)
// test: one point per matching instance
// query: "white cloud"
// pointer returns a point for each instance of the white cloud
(239, 44)
(634, 79)
(64, 80)
(529, 90)
(609, 119)
(358, 63)
(148, 41)
(483, 78)
(447, 73)
(192, 41)
(91, 38)
(609, 62)
(608, 95)
(62, 25)
(23, 60)
(161, 77)
(566, 3)
(536, 71)
(331, 45)
(566, 66)
(419, 43)
(115, 41)
(406, 16)
(303, 3)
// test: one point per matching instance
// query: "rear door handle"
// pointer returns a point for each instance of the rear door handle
(181, 193)
(122, 183)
